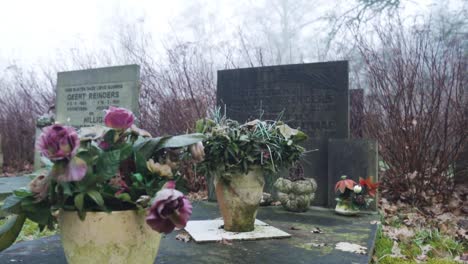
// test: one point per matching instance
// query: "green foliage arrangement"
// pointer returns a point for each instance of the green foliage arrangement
(232, 148)
(113, 168)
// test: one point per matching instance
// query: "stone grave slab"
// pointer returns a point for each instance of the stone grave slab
(311, 96)
(304, 246)
(82, 96)
(8, 184)
(212, 231)
(354, 158)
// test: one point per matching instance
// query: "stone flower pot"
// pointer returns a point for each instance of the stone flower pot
(239, 199)
(119, 237)
(345, 207)
(296, 196)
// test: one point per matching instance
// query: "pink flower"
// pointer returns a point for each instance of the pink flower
(58, 142)
(170, 209)
(69, 170)
(104, 145)
(118, 118)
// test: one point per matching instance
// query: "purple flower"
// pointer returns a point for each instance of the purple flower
(58, 142)
(170, 209)
(69, 170)
(118, 118)
(104, 145)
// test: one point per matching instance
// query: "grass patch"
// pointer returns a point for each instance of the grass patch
(444, 248)
(31, 231)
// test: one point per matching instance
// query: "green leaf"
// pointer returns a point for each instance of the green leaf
(97, 197)
(109, 136)
(10, 230)
(108, 164)
(140, 162)
(47, 163)
(66, 188)
(124, 197)
(125, 151)
(22, 192)
(79, 201)
(149, 146)
(300, 136)
(12, 204)
(138, 177)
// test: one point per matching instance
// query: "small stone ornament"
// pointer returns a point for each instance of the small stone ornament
(296, 196)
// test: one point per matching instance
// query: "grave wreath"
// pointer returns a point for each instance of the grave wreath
(104, 184)
(237, 156)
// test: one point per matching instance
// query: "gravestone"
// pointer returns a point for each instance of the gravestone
(354, 158)
(313, 97)
(82, 96)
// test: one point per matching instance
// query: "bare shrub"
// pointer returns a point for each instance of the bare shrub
(23, 98)
(414, 109)
(176, 94)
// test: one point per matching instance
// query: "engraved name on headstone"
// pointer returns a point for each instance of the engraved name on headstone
(313, 97)
(82, 96)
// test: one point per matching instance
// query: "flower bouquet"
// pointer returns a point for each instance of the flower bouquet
(111, 189)
(238, 155)
(352, 196)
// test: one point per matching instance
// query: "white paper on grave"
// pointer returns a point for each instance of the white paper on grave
(211, 231)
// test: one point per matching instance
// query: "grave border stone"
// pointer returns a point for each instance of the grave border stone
(354, 158)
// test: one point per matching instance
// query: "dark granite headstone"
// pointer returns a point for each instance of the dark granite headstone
(351, 157)
(313, 97)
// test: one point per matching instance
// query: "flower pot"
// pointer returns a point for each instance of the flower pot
(296, 196)
(345, 208)
(119, 237)
(239, 199)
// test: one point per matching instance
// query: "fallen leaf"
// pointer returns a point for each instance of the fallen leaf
(396, 251)
(401, 234)
(349, 247)
(317, 245)
(317, 230)
(225, 242)
(183, 236)
(424, 250)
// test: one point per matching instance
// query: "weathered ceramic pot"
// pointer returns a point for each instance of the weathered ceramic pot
(119, 237)
(239, 199)
(345, 208)
(296, 196)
